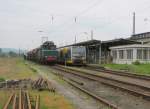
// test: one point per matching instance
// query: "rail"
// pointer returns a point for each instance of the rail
(140, 91)
(8, 101)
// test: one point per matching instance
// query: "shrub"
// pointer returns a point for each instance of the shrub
(136, 62)
(2, 79)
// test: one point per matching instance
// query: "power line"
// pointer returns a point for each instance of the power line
(81, 13)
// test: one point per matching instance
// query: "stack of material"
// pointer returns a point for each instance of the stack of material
(43, 84)
(20, 83)
(49, 45)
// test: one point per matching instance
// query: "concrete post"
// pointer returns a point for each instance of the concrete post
(100, 53)
(134, 54)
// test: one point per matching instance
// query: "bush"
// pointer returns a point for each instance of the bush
(136, 62)
(2, 79)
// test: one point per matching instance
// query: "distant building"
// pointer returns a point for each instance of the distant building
(126, 54)
(141, 37)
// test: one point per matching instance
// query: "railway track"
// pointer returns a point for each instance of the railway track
(102, 100)
(21, 100)
(98, 98)
(132, 88)
(120, 73)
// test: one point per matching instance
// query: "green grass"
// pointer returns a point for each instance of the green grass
(50, 100)
(2, 79)
(143, 69)
(15, 68)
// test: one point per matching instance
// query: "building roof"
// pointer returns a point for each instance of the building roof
(89, 42)
(140, 36)
(119, 41)
(85, 43)
(108, 43)
(131, 46)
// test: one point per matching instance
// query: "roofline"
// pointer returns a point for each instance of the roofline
(140, 33)
(101, 42)
(130, 46)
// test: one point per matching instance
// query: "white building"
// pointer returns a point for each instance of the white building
(130, 53)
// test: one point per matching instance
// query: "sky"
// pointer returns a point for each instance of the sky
(23, 23)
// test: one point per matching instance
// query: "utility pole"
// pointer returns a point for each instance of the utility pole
(75, 20)
(52, 18)
(133, 23)
(91, 34)
(75, 39)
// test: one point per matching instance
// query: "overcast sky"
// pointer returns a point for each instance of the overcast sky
(21, 20)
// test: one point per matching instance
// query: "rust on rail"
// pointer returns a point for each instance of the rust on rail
(37, 104)
(28, 100)
(14, 101)
(20, 99)
(8, 101)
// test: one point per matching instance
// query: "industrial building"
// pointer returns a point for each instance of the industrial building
(128, 54)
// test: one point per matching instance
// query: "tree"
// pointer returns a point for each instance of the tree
(0, 50)
(12, 54)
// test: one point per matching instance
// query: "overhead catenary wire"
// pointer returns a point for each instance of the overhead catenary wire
(98, 2)
(76, 18)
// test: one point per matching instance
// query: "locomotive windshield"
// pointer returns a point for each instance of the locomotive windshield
(49, 53)
(78, 52)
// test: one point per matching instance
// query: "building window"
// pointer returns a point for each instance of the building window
(139, 53)
(129, 54)
(114, 54)
(121, 55)
(145, 54)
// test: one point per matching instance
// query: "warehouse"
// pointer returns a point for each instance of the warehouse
(98, 52)
(127, 54)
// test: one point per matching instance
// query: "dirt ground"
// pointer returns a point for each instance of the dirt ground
(77, 98)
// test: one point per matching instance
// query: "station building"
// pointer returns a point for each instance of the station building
(121, 51)
(98, 52)
(127, 54)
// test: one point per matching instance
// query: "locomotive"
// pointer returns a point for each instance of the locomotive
(72, 55)
(45, 54)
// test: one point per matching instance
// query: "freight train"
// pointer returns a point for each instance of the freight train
(72, 55)
(48, 54)
(45, 54)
